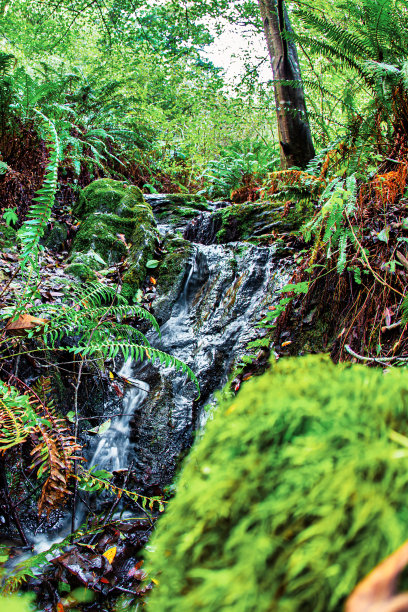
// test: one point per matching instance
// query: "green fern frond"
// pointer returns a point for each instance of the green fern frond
(137, 352)
(39, 214)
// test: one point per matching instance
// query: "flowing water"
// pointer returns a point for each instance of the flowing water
(226, 291)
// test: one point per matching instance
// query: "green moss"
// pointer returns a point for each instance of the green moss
(8, 237)
(296, 491)
(258, 221)
(171, 274)
(99, 236)
(186, 200)
(81, 271)
(109, 196)
(118, 223)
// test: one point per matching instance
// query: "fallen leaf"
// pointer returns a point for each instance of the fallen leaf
(110, 554)
(24, 324)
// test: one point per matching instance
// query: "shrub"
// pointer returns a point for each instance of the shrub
(297, 489)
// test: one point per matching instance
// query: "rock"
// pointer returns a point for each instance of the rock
(107, 196)
(258, 222)
(8, 237)
(116, 223)
(171, 275)
(177, 209)
(55, 236)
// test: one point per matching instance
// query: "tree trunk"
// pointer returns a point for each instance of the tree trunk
(296, 145)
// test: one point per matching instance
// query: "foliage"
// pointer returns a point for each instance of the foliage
(40, 212)
(240, 163)
(288, 499)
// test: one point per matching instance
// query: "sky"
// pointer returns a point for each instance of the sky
(230, 49)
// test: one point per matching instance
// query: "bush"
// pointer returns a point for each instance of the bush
(296, 491)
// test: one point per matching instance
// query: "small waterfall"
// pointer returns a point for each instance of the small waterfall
(112, 446)
(110, 454)
(227, 290)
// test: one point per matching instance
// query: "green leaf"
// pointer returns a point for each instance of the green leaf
(102, 428)
(296, 288)
(152, 263)
(384, 234)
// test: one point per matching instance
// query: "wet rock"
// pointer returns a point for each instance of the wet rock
(177, 209)
(171, 275)
(259, 223)
(222, 291)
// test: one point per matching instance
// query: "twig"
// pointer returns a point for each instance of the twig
(392, 326)
(380, 360)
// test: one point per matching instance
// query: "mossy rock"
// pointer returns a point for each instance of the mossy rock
(55, 236)
(117, 224)
(178, 209)
(108, 196)
(8, 237)
(81, 271)
(98, 233)
(296, 491)
(171, 275)
(255, 222)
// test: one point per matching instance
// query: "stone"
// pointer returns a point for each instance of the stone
(117, 223)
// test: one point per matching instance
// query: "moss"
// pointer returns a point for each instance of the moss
(80, 271)
(8, 237)
(90, 259)
(190, 201)
(55, 236)
(171, 274)
(94, 234)
(108, 196)
(296, 491)
(118, 223)
(257, 222)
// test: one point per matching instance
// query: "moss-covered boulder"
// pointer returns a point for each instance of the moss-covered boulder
(8, 237)
(259, 222)
(296, 491)
(116, 223)
(108, 196)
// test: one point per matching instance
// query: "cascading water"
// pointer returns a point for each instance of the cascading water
(112, 446)
(226, 291)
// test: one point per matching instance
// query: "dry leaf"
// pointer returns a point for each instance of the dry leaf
(110, 554)
(377, 592)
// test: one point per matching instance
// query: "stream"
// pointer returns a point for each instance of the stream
(225, 291)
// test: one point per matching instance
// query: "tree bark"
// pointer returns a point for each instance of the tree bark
(296, 145)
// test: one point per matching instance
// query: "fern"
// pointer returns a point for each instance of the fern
(16, 417)
(40, 212)
(137, 352)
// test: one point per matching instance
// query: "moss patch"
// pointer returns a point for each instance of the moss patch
(117, 224)
(8, 237)
(109, 196)
(259, 223)
(296, 491)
